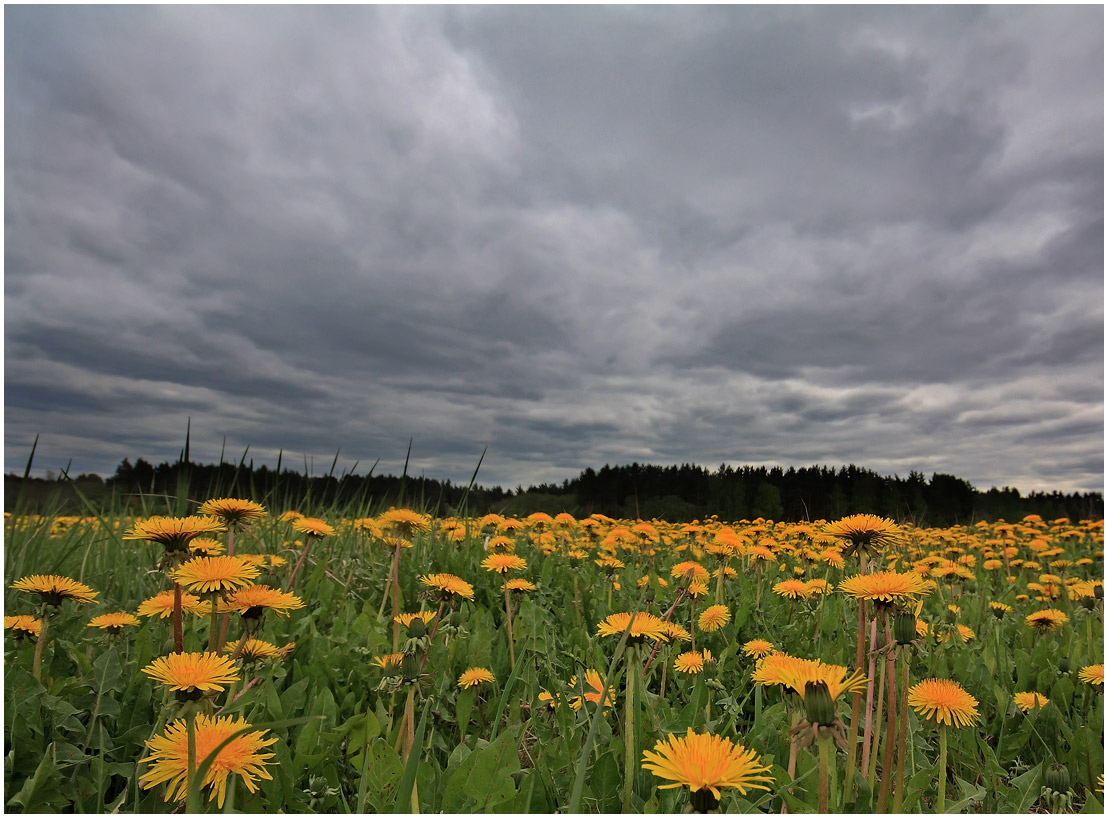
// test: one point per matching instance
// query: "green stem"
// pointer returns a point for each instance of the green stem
(872, 768)
(825, 780)
(902, 732)
(213, 636)
(191, 793)
(511, 642)
(891, 726)
(36, 666)
(856, 707)
(178, 629)
(629, 729)
(941, 800)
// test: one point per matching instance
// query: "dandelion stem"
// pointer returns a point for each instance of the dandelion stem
(36, 666)
(191, 792)
(868, 722)
(212, 628)
(178, 629)
(941, 800)
(791, 767)
(856, 700)
(511, 642)
(825, 784)
(225, 621)
(300, 562)
(629, 729)
(902, 732)
(871, 769)
(891, 714)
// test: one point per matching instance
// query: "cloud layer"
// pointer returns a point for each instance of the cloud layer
(576, 235)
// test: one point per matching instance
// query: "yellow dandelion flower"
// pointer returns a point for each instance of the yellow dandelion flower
(169, 756)
(114, 622)
(447, 585)
(175, 533)
(863, 532)
(193, 672)
(714, 618)
(703, 762)
(257, 650)
(594, 685)
(757, 648)
(206, 547)
(52, 589)
(885, 588)
(676, 632)
(1046, 620)
(215, 574)
(253, 601)
(235, 513)
(406, 619)
(518, 585)
(793, 589)
(643, 626)
(503, 563)
(389, 662)
(697, 588)
(313, 528)
(405, 522)
(1027, 700)
(24, 625)
(943, 701)
(1093, 674)
(475, 676)
(161, 605)
(692, 662)
(690, 569)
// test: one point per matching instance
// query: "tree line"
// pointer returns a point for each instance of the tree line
(673, 493)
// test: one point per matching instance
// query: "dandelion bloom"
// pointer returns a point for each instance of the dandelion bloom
(944, 701)
(257, 650)
(503, 563)
(406, 619)
(999, 609)
(703, 762)
(114, 621)
(169, 756)
(475, 676)
(1093, 674)
(594, 685)
(405, 521)
(448, 585)
(792, 589)
(690, 568)
(676, 632)
(885, 588)
(206, 547)
(714, 618)
(388, 661)
(24, 625)
(757, 648)
(818, 586)
(1046, 620)
(642, 625)
(697, 588)
(1027, 700)
(794, 672)
(215, 574)
(517, 585)
(175, 533)
(191, 672)
(234, 512)
(864, 532)
(52, 589)
(313, 527)
(253, 601)
(500, 543)
(290, 516)
(692, 662)
(161, 605)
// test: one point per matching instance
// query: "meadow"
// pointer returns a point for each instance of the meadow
(238, 658)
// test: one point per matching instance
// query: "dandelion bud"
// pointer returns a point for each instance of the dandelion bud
(649, 595)
(410, 667)
(1099, 592)
(819, 707)
(1064, 664)
(1088, 603)
(904, 627)
(417, 628)
(1057, 778)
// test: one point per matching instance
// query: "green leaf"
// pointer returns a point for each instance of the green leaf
(360, 729)
(1027, 785)
(483, 779)
(408, 777)
(382, 775)
(41, 791)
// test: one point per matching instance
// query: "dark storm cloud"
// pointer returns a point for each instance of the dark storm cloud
(573, 235)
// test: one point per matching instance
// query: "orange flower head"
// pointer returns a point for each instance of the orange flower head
(703, 762)
(175, 533)
(215, 574)
(944, 701)
(53, 589)
(235, 513)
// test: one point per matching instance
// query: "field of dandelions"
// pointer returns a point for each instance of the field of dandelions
(239, 658)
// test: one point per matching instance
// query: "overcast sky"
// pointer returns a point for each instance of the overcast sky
(575, 235)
